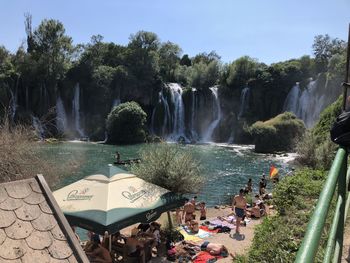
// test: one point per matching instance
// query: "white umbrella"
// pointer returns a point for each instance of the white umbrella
(100, 203)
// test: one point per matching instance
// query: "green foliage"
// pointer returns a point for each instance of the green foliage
(170, 167)
(125, 124)
(278, 238)
(277, 134)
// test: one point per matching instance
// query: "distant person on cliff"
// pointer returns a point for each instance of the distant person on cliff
(239, 205)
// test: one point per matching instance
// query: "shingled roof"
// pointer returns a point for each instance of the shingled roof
(32, 226)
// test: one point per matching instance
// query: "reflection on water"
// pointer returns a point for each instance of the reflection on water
(225, 169)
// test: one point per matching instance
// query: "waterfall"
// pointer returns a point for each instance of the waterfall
(179, 112)
(291, 102)
(13, 104)
(217, 116)
(39, 128)
(166, 119)
(76, 110)
(116, 102)
(194, 134)
(61, 116)
(308, 103)
(244, 102)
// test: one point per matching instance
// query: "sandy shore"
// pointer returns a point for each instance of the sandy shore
(236, 244)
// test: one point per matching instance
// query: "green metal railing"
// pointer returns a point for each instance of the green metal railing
(338, 177)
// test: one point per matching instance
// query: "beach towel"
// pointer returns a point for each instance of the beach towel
(189, 237)
(205, 228)
(204, 257)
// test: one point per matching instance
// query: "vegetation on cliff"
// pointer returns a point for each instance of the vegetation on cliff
(50, 65)
(126, 124)
(277, 134)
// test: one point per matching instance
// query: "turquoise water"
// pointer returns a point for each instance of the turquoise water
(226, 168)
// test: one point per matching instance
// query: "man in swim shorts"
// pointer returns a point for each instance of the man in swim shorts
(189, 210)
(214, 249)
(239, 205)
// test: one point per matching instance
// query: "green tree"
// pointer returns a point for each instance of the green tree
(169, 57)
(324, 47)
(170, 167)
(125, 124)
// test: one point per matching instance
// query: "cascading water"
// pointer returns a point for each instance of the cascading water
(217, 116)
(291, 103)
(308, 103)
(194, 134)
(244, 102)
(13, 104)
(76, 110)
(61, 116)
(179, 112)
(39, 128)
(116, 102)
(166, 118)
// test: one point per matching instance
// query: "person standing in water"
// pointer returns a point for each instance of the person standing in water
(117, 156)
(239, 205)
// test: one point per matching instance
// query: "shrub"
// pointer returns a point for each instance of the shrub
(170, 167)
(21, 158)
(125, 124)
(277, 134)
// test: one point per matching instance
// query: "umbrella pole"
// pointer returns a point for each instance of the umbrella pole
(110, 244)
(169, 220)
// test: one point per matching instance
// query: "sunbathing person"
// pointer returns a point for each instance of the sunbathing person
(193, 226)
(213, 248)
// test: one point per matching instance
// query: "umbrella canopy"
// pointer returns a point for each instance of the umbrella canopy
(100, 203)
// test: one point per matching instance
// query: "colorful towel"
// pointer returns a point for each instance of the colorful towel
(204, 257)
(189, 237)
(205, 228)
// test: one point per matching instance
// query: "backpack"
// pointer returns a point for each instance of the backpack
(340, 132)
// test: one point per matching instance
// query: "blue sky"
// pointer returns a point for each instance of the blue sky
(269, 30)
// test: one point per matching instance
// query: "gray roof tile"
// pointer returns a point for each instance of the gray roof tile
(28, 212)
(59, 250)
(32, 227)
(18, 191)
(39, 240)
(7, 218)
(11, 204)
(39, 256)
(3, 194)
(13, 249)
(44, 222)
(19, 230)
(34, 199)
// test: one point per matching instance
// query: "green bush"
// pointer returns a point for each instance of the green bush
(170, 167)
(277, 134)
(125, 124)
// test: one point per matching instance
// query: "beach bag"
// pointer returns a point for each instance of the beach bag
(340, 132)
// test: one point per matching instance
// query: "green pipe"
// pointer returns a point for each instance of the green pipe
(333, 231)
(341, 225)
(309, 246)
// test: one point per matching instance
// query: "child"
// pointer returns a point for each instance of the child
(203, 211)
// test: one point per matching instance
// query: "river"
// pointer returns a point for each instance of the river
(226, 168)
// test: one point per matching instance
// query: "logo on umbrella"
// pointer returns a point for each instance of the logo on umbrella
(76, 195)
(151, 214)
(133, 195)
